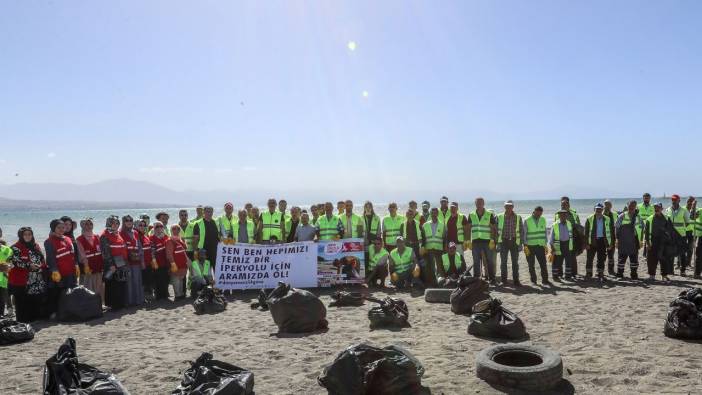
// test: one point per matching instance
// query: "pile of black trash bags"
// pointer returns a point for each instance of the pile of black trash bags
(12, 332)
(343, 298)
(470, 290)
(390, 313)
(293, 310)
(79, 304)
(63, 375)
(490, 319)
(364, 369)
(684, 319)
(207, 376)
(209, 301)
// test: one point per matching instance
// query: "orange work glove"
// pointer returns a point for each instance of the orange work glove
(154, 264)
(55, 277)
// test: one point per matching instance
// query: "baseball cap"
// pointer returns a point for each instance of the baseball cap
(509, 203)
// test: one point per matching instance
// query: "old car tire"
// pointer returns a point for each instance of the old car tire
(520, 366)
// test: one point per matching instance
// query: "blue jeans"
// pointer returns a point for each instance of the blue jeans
(483, 254)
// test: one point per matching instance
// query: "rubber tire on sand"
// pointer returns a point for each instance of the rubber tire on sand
(437, 295)
(531, 378)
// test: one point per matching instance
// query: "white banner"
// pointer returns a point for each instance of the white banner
(246, 266)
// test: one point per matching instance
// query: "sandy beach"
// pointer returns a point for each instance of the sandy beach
(610, 337)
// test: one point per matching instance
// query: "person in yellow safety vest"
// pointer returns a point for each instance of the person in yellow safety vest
(444, 212)
(340, 208)
(5, 255)
(412, 205)
(371, 224)
(186, 232)
(629, 229)
(456, 226)
(248, 207)
(613, 215)
(572, 214)
(271, 225)
(656, 238)
(645, 207)
(411, 231)
(225, 222)
(377, 264)
(353, 223)
(535, 240)
(680, 218)
(698, 234)
(315, 214)
(403, 264)
(510, 241)
(482, 229)
(598, 231)
(391, 226)
(199, 212)
(451, 266)
(329, 227)
(244, 229)
(255, 216)
(282, 207)
(434, 242)
(561, 241)
(292, 224)
(691, 207)
(201, 273)
(206, 234)
(425, 215)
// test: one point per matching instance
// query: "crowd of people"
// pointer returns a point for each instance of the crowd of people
(134, 261)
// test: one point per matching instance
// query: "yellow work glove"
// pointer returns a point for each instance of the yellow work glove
(174, 267)
(491, 245)
(87, 270)
(422, 251)
(77, 271)
(416, 272)
(549, 257)
(467, 245)
(196, 255)
(55, 277)
(394, 277)
(337, 237)
(154, 264)
(526, 251)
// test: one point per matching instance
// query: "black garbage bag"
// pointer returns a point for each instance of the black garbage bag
(207, 376)
(684, 319)
(389, 313)
(296, 310)
(343, 298)
(262, 303)
(447, 282)
(491, 319)
(209, 301)
(579, 239)
(470, 291)
(12, 332)
(64, 375)
(79, 304)
(366, 370)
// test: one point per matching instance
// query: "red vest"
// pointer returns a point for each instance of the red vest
(132, 246)
(159, 248)
(179, 255)
(92, 252)
(65, 256)
(117, 245)
(146, 247)
(18, 276)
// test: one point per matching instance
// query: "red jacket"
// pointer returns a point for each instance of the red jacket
(179, 256)
(92, 252)
(132, 246)
(146, 247)
(159, 248)
(18, 276)
(65, 256)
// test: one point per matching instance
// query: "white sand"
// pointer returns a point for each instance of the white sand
(611, 340)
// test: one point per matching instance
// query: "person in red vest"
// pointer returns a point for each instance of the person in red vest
(178, 261)
(62, 263)
(115, 257)
(135, 254)
(142, 230)
(90, 257)
(26, 277)
(159, 262)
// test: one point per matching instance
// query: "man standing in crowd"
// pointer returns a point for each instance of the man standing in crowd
(482, 230)
(456, 226)
(244, 229)
(225, 222)
(285, 217)
(206, 234)
(315, 214)
(292, 224)
(646, 210)
(411, 232)
(271, 224)
(340, 208)
(444, 212)
(680, 218)
(613, 217)
(657, 236)
(412, 206)
(599, 240)
(305, 231)
(329, 227)
(425, 215)
(562, 246)
(186, 232)
(391, 227)
(572, 215)
(698, 234)
(628, 228)
(509, 241)
(691, 207)
(353, 223)
(199, 213)
(535, 239)
(433, 241)
(163, 218)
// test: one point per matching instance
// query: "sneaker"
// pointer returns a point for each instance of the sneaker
(619, 275)
(533, 281)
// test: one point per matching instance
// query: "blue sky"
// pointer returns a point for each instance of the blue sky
(476, 95)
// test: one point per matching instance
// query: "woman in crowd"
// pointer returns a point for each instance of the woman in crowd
(178, 261)
(90, 257)
(135, 288)
(114, 255)
(147, 272)
(62, 262)
(160, 263)
(27, 277)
